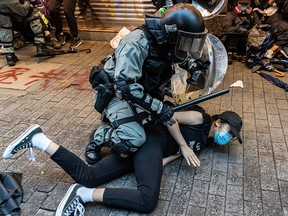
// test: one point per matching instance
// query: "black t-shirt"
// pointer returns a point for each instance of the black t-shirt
(196, 136)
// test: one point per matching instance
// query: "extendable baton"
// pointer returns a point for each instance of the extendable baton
(199, 100)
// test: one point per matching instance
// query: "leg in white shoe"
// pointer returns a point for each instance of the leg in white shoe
(33, 137)
(71, 203)
(23, 141)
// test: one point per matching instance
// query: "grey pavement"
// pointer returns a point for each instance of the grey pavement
(233, 180)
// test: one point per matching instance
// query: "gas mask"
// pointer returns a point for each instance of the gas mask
(242, 9)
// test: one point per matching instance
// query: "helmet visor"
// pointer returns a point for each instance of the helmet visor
(190, 44)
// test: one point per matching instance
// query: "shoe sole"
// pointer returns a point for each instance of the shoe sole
(7, 153)
(77, 45)
(64, 200)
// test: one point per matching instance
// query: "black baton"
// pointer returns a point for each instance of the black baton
(199, 100)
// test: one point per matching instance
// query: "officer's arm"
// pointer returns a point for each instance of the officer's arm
(129, 57)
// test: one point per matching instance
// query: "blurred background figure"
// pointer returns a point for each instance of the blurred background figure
(236, 26)
(274, 16)
(23, 34)
(69, 11)
(25, 9)
(42, 7)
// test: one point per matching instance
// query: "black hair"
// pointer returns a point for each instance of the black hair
(216, 117)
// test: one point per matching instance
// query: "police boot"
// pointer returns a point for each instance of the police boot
(43, 50)
(11, 59)
(92, 151)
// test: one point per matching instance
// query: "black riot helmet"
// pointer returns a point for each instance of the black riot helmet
(184, 29)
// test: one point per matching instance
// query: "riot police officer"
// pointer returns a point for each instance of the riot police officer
(128, 85)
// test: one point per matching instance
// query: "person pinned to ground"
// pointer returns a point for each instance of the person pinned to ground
(193, 130)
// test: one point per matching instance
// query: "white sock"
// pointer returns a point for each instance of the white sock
(40, 141)
(86, 194)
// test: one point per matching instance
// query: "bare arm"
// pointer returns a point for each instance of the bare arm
(186, 118)
(170, 158)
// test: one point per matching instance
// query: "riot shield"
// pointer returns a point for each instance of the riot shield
(209, 8)
(215, 52)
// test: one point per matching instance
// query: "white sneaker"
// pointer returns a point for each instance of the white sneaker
(22, 142)
(269, 54)
(71, 203)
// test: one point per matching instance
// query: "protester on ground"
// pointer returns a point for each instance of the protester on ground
(69, 7)
(6, 34)
(196, 127)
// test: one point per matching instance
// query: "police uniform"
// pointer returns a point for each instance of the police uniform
(131, 62)
(131, 82)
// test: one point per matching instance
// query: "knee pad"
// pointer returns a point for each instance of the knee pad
(124, 149)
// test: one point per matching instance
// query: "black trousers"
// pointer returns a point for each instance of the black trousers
(69, 11)
(146, 163)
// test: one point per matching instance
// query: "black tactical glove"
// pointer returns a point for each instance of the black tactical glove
(122, 89)
(165, 114)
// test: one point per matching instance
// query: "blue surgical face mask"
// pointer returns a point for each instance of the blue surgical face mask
(222, 138)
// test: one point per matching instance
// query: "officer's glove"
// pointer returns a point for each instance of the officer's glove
(122, 89)
(165, 114)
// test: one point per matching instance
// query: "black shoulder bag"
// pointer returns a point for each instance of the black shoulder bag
(11, 193)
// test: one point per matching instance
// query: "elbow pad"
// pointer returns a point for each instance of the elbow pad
(137, 97)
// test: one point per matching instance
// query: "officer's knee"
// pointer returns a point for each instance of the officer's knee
(124, 149)
(139, 141)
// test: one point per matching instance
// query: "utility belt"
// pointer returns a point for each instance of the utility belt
(104, 86)
(138, 117)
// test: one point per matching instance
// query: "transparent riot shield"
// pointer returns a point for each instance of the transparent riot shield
(215, 52)
(209, 8)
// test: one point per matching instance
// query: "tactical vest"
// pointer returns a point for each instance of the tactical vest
(157, 69)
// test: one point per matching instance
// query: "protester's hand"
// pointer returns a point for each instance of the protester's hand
(190, 156)
(165, 114)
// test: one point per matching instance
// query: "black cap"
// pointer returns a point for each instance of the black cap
(234, 121)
